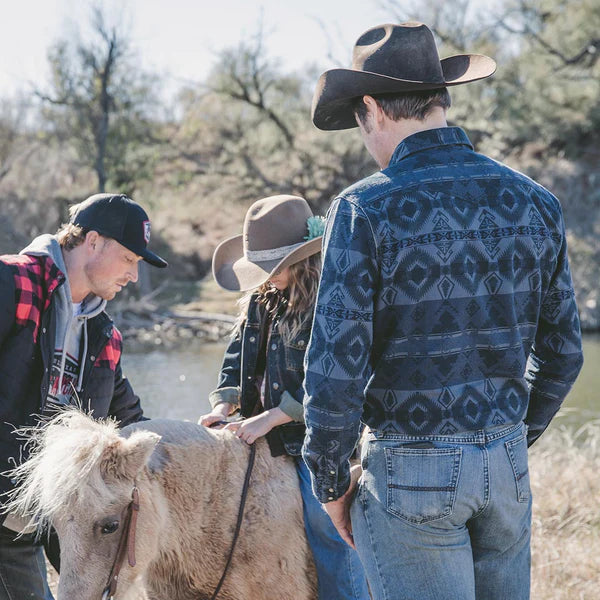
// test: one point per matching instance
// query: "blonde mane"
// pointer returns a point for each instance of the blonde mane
(64, 459)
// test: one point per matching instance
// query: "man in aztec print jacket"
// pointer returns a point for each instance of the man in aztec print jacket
(58, 347)
(445, 321)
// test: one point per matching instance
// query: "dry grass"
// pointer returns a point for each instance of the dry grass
(565, 479)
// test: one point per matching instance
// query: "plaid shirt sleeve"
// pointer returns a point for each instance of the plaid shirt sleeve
(556, 357)
(125, 406)
(338, 357)
(7, 302)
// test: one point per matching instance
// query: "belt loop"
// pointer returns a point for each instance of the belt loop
(481, 437)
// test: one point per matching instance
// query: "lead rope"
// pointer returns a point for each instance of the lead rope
(239, 518)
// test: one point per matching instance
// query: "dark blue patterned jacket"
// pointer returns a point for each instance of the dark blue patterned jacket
(445, 305)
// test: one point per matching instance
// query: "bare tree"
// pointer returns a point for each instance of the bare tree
(100, 100)
(246, 74)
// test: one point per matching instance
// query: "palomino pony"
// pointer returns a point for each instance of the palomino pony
(80, 478)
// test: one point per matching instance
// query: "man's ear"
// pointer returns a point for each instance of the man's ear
(374, 110)
(371, 104)
(92, 238)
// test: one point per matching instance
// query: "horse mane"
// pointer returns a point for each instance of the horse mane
(64, 457)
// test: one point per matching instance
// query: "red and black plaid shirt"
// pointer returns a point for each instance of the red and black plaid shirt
(36, 278)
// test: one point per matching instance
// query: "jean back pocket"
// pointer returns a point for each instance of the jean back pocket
(422, 482)
(517, 455)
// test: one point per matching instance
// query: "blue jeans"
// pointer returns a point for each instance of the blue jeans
(341, 576)
(445, 517)
(22, 568)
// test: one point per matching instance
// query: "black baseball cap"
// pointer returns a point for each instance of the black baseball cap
(118, 217)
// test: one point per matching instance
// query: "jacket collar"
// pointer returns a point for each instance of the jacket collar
(52, 276)
(426, 140)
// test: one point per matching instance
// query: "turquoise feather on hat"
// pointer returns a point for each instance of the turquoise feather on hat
(316, 227)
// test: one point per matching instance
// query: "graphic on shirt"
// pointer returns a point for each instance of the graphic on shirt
(68, 384)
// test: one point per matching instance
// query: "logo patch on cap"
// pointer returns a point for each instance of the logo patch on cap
(146, 225)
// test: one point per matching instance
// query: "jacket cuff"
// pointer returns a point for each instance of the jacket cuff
(291, 407)
(225, 394)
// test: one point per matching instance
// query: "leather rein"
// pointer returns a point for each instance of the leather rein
(127, 539)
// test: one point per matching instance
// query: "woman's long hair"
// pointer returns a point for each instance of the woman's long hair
(300, 296)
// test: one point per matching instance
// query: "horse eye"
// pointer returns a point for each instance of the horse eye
(110, 527)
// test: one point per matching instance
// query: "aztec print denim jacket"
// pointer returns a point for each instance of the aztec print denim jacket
(239, 383)
(445, 305)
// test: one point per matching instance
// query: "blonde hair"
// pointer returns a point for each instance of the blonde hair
(69, 235)
(301, 297)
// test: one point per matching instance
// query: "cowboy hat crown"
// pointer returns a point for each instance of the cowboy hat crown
(274, 237)
(391, 59)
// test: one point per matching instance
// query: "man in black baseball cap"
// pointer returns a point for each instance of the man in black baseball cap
(118, 217)
(58, 347)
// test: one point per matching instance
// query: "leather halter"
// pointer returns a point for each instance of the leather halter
(126, 544)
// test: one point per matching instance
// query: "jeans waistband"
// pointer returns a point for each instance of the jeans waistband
(480, 436)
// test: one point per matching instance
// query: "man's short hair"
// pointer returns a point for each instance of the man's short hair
(69, 235)
(409, 105)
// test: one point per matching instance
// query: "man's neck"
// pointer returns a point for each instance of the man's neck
(397, 131)
(75, 275)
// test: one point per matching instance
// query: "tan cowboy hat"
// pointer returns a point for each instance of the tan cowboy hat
(391, 59)
(275, 237)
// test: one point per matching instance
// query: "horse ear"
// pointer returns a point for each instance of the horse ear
(127, 457)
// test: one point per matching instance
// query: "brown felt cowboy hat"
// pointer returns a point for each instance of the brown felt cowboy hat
(391, 59)
(279, 231)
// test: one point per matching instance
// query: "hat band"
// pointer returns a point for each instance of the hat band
(272, 253)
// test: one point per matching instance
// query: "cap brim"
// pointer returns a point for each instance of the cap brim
(153, 259)
(332, 107)
(234, 272)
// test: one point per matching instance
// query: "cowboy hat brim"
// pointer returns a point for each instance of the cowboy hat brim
(336, 89)
(234, 272)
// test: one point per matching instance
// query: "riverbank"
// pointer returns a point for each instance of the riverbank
(175, 315)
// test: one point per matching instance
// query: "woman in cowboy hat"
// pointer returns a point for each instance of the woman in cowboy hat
(277, 262)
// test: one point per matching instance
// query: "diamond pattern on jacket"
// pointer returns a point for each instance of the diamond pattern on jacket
(412, 212)
(468, 267)
(421, 273)
(512, 400)
(422, 413)
(492, 283)
(351, 349)
(510, 207)
(473, 406)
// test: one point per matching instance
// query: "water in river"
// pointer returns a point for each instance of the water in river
(176, 384)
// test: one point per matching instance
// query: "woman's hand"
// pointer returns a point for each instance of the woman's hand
(253, 428)
(219, 413)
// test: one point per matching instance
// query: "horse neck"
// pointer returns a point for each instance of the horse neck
(201, 478)
(200, 488)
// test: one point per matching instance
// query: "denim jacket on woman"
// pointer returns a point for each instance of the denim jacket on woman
(239, 383)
